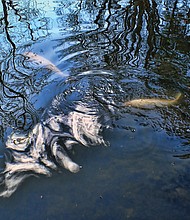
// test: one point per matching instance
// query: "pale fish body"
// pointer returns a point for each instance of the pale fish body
(43, 61)
(152, 103)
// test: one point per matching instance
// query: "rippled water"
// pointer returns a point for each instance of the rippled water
(107, 52)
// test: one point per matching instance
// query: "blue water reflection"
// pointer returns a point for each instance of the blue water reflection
(108, 52)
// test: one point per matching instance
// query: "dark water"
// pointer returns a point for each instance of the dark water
(131, 49)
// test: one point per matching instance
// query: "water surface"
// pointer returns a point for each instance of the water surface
(117, 51)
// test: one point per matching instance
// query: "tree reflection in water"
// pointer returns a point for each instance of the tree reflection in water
(139, 41)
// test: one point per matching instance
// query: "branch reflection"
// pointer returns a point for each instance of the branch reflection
(145, 44)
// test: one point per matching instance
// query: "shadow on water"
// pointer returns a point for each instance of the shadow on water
(108, 52)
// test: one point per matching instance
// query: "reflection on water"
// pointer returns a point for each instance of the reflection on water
(109, 52)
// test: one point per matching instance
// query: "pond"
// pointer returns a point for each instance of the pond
(91, 57)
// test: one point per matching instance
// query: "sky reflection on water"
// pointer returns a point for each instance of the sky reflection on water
(145, 46)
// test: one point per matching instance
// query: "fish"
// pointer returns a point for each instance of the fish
(152, 102)
(43, 61)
